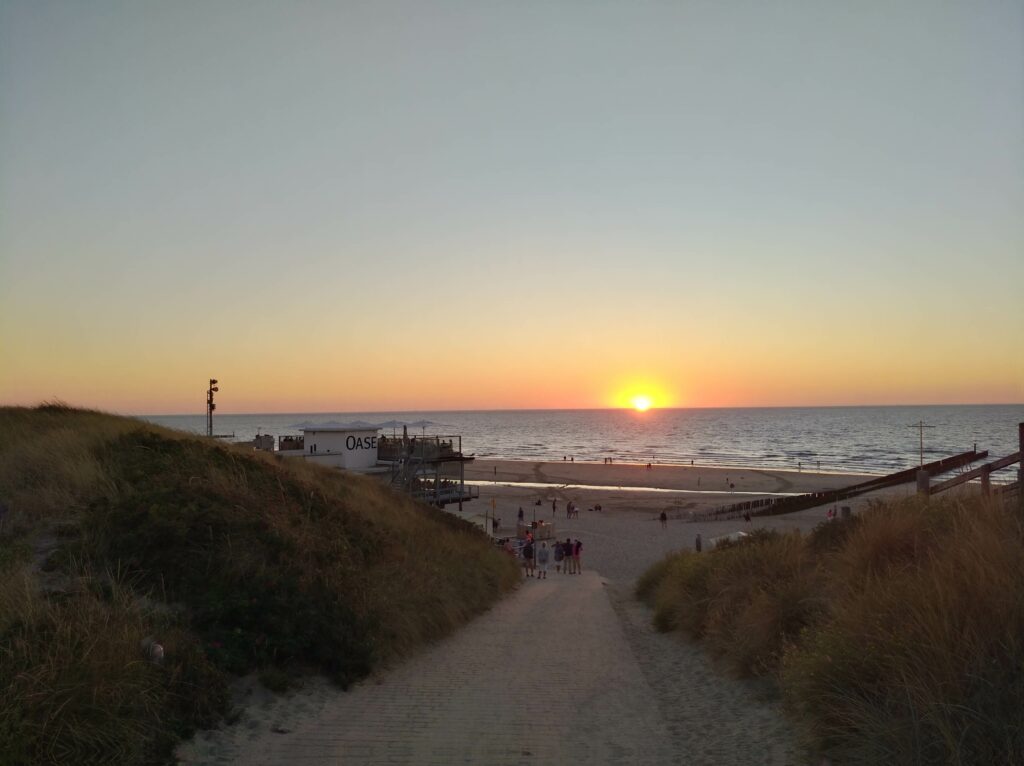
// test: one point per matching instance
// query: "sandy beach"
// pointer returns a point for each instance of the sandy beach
(681, 477)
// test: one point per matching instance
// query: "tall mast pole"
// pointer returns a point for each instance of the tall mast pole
(210, 406)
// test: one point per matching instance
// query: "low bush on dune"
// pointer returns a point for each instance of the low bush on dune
(232, 561)
(896, 637)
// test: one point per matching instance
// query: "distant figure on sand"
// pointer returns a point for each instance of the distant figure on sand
(542, 561)
(746, 517)
(554, 506)
(520, 514)
(696, 543)
(664, 520)
(577, 555)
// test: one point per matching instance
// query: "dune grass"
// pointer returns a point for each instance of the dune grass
(118, 533)
(896, 636)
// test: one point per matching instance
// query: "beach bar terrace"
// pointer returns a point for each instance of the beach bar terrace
(430, 468)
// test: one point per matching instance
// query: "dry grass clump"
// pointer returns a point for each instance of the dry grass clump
(47, 460)
(896, 638)
(234, 561)
(745, 600)
(75, 685)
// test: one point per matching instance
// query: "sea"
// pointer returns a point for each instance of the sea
(871, 440)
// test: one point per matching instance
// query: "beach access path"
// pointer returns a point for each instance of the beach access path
(562, 671)
(567, 669)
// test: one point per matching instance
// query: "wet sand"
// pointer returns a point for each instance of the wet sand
(679, 477)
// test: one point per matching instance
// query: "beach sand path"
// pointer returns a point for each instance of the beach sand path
(565, 670)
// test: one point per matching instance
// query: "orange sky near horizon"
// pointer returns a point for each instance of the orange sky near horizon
(153, 377)
(403, 207)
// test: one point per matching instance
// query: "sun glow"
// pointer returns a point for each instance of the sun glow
(640, 394)
(641, 403)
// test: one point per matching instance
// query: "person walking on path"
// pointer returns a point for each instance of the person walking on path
(664, 520)
(542, 561)
(567, 552)
(559, 556)
(577, 553)
(696, 543)
(528, 558)
(554, 507)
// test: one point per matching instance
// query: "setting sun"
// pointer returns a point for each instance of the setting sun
(641, 403)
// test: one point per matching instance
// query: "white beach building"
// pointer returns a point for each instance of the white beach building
(351, 446)
(430, 468)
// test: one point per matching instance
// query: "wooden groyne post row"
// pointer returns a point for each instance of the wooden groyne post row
(773, 506)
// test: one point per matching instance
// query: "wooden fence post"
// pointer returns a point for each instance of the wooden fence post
(1020, 466)
(922, 482)
(986, 486)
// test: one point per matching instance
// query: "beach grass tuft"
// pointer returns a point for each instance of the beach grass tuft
(896, 636)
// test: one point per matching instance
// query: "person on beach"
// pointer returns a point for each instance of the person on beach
(696, 543)
(746, 516)
(664, 520)
(554, 507)
(559, 556)
(528, 558)
(520, 514)
(567, 552)
(577, 553)
(542, 561)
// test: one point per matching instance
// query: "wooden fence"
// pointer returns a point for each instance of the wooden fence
(983, 472)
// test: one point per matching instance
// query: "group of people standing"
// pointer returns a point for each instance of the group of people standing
(537, 560)
(572, 511)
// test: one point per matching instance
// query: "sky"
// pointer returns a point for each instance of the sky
(383, 206)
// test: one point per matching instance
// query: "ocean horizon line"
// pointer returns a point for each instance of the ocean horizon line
(574, 409)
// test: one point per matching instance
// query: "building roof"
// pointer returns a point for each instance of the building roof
(358, 425)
